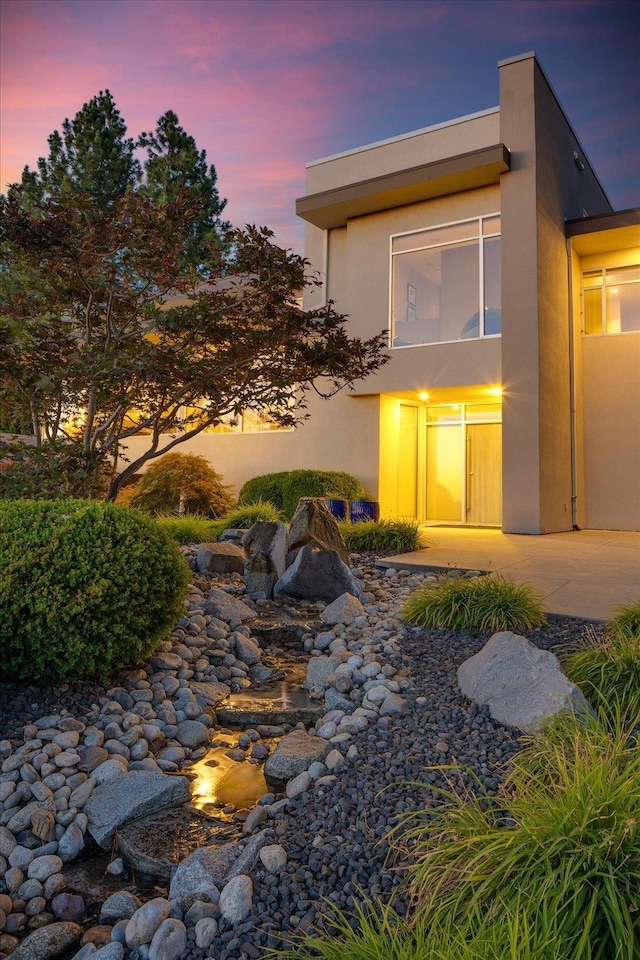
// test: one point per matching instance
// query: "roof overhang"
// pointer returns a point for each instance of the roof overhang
(605, 232)
(466, 171)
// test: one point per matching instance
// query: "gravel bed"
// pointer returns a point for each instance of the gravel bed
(335, 835)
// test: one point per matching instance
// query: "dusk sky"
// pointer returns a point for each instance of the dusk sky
(266, 85)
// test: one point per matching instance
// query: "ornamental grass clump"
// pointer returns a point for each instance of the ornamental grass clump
(191, 528)
(489, 602)
(383, 536)
(560, 845)
(607, 667)
(86, 588)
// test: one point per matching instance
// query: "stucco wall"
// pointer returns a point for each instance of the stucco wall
(543, 188)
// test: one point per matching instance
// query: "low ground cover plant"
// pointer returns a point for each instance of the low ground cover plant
(191, 528)
(607, 667)
(86, 588)
(490, 602)
(284, 489)
(383, 536)
(181, 483)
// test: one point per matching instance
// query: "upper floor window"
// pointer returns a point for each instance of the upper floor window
(611, 300)
(445, 283)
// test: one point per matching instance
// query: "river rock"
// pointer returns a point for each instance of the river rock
(145, 921)
(48, 942)
(523, 686)
(169, 941)
(221, 604)
(209, 695)
(71, 843)
(133, 795)
(273, 857)
(313, 524)
(295, 753)
(68, 906)
(344, 609)
(220, 558)
(110, 951)
(118, 906)
(206, 931)
(319, 669)
(192, 733)
(44, 867)
(265, 548)
(236, 899)
(317, 575)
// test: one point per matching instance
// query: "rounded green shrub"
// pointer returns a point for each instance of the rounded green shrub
(86, 588)
(284, 489)
(182, 483)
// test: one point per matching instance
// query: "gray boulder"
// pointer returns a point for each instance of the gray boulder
(265, 548)
(236, 899)
(219, 558)
(207, 869)
(312, 524)
(317, 575)
(222, 605)
(209, 695)
(295, 753)
(523, 686)
(319, 669)
(343, 610)
(133, 795)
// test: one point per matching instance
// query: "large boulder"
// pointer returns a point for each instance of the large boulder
(343, 610)
(133, 795)
(49, 941)
(207, 869)
(523, 686)
(295, 753)
(312, 524)
(265, 548)
(222, 605)
(219, 558)
(317, 574)
(319, 669)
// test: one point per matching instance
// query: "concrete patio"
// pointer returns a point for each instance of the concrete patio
(581, 573)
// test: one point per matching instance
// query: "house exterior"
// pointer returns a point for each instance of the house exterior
(510, 291)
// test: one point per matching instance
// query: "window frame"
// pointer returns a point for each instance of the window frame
(602, 272)
(480, 237)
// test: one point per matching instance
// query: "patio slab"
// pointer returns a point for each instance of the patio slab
(580, 573)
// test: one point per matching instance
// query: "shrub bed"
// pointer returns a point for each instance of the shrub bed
(181, 483)
(284, 489)
(86, 588)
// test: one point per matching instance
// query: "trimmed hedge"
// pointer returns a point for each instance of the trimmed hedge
(284, 489)
(86, 588)
(181, 483)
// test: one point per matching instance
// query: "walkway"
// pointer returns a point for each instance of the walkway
(582, 573)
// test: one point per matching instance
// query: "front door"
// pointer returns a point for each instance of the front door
(464, 465)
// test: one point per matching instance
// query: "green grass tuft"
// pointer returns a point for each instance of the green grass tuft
(383, 536)
(191, 528)
(474, 603)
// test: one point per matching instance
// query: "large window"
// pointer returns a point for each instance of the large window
(249, 421)
(446, 283)
(611, 300)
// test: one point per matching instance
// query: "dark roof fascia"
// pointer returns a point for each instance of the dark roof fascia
(495, 159)
(603, 221)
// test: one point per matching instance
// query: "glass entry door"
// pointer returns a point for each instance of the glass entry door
(464, 464)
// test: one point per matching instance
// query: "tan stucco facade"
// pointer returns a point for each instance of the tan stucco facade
(568, 405)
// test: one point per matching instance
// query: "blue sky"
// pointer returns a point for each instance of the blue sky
(267, 85)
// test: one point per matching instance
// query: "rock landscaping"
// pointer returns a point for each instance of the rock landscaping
(77, 766)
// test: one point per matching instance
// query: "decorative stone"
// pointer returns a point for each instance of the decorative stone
(273, 857)
(343, 610)
(523, 686)
(236, 899)
(220, 558)
(68, 906)
(44, 867)
(265, 548)
(299, 785)
(71, 843)
(295, 753)
(48, 942)
(110, 951)
(221, 604)
(43, 825)
(246, 649)
(313, 525)
(317, 575)
(206, 931)
(134, 795)
(319, 669)
(145, 921)
(169, 941)
(118, 906)
(192, 733)
(209, 695)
